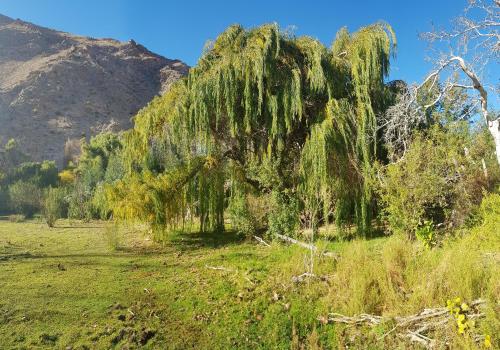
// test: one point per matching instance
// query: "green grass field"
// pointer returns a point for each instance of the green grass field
(66, 288)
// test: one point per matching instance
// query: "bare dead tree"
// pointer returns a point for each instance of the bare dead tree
(399, 121)
(473, 43)
(464, 53)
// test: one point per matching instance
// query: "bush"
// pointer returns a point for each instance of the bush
(25, 198)
(115, 169)
(241, 219)
(55, 205)
(425, 234)
(66, 177)
(113, 237)
(80, 202)
(41, 174)
(284, 214)
(17, 218)
(99, 205)
(490, 209)
(4, 199)
(435, 181)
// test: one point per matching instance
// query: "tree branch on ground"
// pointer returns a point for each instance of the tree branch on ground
(415, 328)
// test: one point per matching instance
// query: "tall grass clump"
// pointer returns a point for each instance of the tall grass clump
(113, 237)
(54, 205)
(368, 280)
(404, 277)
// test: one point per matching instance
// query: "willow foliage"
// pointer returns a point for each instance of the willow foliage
(260, 97)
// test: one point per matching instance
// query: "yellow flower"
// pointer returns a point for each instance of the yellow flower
(464, 307)
(487, 341)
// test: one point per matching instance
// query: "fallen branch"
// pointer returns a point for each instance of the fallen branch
(307, 246)
(303, 277)
(260, 240)
(415, 328)
(294, 241)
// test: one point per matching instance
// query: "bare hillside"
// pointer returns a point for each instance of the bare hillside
(56, 86)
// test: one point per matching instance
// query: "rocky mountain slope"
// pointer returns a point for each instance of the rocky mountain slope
(56, 86)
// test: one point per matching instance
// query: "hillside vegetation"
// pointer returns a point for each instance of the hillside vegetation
(283, 194)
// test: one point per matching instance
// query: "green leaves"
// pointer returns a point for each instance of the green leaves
(425, 233)
(258, 96)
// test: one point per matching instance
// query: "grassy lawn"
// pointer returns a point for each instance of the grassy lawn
(66, 288)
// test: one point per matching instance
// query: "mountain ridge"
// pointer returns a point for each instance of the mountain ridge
(56, 86)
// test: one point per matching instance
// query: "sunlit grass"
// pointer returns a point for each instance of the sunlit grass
(68, 286)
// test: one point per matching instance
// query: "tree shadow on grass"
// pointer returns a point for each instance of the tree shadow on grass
(377, 231)
(77, 226)
(197, 240)
(110, 255)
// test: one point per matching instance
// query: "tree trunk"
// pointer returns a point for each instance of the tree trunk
(493, 125)
(494, 128)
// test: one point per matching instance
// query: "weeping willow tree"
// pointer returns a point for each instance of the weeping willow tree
(257, 98)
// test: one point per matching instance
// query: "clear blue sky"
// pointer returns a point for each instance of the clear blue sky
(179, 29)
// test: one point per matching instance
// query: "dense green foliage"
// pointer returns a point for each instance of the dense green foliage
(269, 110)
(100, 163)
(22, 181)
(440, 179)
(25, 198)
(30, 187)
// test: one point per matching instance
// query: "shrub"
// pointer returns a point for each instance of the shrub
(17, 218)
(55, 205)
(66, 177)
(99, 204)
(115, 169)
(25, 198)
(113, 237)
(80, 202)
(425, 234)
(241, 218)
(436, 181)
(4, 199)
(284, 214)
(490, 208)
(41, 174)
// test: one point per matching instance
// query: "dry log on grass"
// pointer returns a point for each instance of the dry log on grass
(307, 246)
(307, 275)
(415, 328)
(261, 241)
(303, 277)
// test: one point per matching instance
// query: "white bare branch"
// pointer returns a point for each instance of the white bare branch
(416, 328)
(482, 34)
